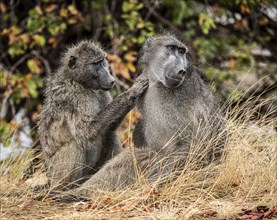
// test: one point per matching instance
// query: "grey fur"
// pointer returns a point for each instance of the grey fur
(178, 119)
(78, 122)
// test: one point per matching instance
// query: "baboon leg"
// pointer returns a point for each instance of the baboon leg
(125, 169)
(66, 168)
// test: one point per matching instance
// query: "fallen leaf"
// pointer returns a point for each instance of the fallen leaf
(130, 205)
(262, 208)
(107, 201)
(149, 191)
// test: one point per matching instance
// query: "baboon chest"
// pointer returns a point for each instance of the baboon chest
(165, 117)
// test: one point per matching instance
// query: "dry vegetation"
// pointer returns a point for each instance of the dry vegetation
(244, 180)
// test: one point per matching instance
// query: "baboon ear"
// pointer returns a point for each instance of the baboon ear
(148, 43)
(72, 62)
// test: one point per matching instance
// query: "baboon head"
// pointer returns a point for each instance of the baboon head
(165, 57)
(86, 63)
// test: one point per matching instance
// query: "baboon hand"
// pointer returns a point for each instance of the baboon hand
(139, 87)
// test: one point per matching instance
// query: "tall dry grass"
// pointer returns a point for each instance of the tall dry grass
(244, 179)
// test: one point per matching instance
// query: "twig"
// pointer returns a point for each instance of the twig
(162, 19)
(43, 60)
(19, 62)
(4, 105)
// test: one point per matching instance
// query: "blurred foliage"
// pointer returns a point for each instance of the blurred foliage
(223, 37)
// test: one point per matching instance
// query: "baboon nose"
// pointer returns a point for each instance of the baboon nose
(181, 72)
(112, 83)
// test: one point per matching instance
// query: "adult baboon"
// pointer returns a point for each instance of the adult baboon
(78, 122)
(179, 109)
(180, 117)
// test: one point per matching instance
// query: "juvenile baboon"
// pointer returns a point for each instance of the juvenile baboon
(77, 126)
(180, 117)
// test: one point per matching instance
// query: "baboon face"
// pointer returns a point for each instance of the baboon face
(166, 58)
(88, 66)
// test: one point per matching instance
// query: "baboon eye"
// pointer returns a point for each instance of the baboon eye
(98, 62)
(182, 50)
(72, 62)
(171, 47)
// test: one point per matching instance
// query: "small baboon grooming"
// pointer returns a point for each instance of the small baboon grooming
(180, 117)
(78, 122)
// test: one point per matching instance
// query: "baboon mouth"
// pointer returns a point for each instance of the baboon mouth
(106, 88)
(177, 79)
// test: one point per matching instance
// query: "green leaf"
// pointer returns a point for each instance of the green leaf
(12, 51)
(39, 39)
(125, 6)
(32, 88)
(34, 24)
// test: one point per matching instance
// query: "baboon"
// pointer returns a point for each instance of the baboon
(180, 116)
(179, 109)
(77, 126)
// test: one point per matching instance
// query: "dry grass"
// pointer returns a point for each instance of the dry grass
(245, 178)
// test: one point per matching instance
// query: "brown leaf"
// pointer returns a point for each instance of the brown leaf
(115, 209)
(39, 107)
(124, 72)
(50, 8)
(25, 38)
(131, 56)
(245, 24)
(6, 31)
(64, 12)
(12, 39)
(149, 191)
(34, 66)
(35, 116)
(14, 125)
(244, 9)
(38, 10)
(131, 67)
(3, 7)
(262, 208)
(72, 9)
(53, 41)
(107, 201)
(113, 57)
(28, 76)
(270, 213)
(130, 205)
(232, 63)
(148, 208)
(72, 20)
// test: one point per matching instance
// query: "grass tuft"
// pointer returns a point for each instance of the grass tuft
(243, 180)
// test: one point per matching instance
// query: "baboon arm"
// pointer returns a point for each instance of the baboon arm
(107, 119)
(111, 116)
